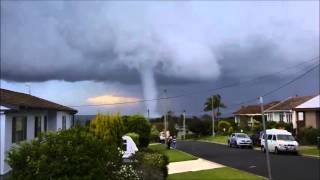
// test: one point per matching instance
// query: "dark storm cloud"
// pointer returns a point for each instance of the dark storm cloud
(93, 41)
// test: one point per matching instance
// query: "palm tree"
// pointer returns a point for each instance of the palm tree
(217, 104)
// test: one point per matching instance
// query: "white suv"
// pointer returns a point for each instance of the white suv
(279, 140)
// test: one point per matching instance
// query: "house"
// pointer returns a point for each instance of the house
(307, 114)
(282, 112)
(23, 117)
(247, 115)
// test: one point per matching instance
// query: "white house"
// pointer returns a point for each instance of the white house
(282, 112)
(24, 116)
(307, 114)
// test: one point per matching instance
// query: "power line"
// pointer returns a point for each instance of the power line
(218, 88)
(278, 88)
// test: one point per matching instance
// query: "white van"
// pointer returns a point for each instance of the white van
(279, 140)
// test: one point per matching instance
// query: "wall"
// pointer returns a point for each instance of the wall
(311, 119)
(30, 129)
(2, 142)
(53, 124)
(60, 114)
(52, 120)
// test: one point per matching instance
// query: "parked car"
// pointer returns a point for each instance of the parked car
(239, 140)
(279, 140)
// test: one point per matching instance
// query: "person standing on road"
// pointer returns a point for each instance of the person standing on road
(174, 141)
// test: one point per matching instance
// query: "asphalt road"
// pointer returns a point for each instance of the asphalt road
(284, 166)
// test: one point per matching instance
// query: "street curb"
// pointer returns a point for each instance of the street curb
(310, 156)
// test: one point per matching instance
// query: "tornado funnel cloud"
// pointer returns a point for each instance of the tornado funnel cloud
(149, 90)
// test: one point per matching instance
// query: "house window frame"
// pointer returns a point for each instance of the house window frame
(64, 122)
(301, 114)
(281, 116)
(45, 123)
(15, 138)
(37, 126)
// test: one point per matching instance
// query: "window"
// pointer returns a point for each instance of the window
(64, 122)
(37, 126)
(285, 137)
(274, 138)
(281, 117)
(45, 123)
(242, 136)
(289, 117)
(269, 137)
(269, 117)
(124, 145)
(300, 116)
(19, 129)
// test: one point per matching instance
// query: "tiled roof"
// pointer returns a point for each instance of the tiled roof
(23, 101)
(290, 103)
(254, 109)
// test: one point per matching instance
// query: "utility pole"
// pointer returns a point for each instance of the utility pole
(184, 124)
(265, 139)
(213, 134)
(165, 116)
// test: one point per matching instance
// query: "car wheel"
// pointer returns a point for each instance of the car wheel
(276, 151)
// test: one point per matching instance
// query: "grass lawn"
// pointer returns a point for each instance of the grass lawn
(217, 139)
(309, 150)
(174, 155)
(219, 173)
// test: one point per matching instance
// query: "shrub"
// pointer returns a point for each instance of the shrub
(200, 127)
(223, 125)
(108, 127)
(230, 130)
(154, 135)
(140, 125)
(286, 126)
(271, 124)
(191, 136)
(308, 135)
(151, 165)
(134, 137)
(68, 154)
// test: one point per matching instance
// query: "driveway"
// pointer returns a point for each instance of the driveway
(284, 166)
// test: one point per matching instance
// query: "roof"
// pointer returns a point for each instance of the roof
(290, 103)
(23, 101)
(278, 131)
(312, 103)
(254, 109)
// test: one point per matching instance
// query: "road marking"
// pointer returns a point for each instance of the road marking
(252, 167)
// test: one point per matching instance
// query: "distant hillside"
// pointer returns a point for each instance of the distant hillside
(83, 119)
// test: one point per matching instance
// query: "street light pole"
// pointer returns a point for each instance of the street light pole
(213, 134)
(265, 139)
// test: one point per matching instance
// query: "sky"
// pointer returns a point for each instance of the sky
(81, 53)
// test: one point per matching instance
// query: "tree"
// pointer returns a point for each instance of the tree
(217, 104)
(108, 127)
(138, 124)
